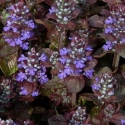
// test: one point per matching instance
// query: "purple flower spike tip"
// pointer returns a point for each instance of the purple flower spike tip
(123, 122)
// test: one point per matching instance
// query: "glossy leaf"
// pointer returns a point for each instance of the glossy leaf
(49, 87)
(96, 21)
(91, 97)
(120, 49)
(4, 67)
(6, 50)
(74, 83)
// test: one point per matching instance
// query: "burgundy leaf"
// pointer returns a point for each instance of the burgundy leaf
(120, 49)
(75, 13)
(105, 12)
(96, 21)
(27, 98)
(57, 120)
(91, 97)
(91, 64)
(91, 1)
(74, 83)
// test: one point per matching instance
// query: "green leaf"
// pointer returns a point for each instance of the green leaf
(4, 16)
(8, 64)
(4, 66)
(38, 110)
(45, 92)
(94, 111)
(49, 87)
(91, 97)
(5, 49)
(81, 101)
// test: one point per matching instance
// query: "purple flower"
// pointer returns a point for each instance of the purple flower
(43, 78)
(22, 58)
(96, 87)
(97, 79)
(52, 10)
(64, 51)
(79, 63)
(43, 68)
(123, 40)
(89, 57)
(88, 48)
(23, 91)
(8, 40)
(25, 35)
(20, 66)
(78, 71)
(61, 74)
(62, 60)
(25, 46)
(109, 20)
(12, 43)
(109, 29)
(18, 41)
(21, 76)
(89, 73)
(11, 8)
(68, 70)
(43, 57)
(30, 24)
(31, 71)
(23, 22)
(6, 28)
(14, 29)
(9, 23)
(107, 46)
(70, 38)
(122, 121)
(35, 93)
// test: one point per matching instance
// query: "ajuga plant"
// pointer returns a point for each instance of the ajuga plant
(62, 62)
(19, 25)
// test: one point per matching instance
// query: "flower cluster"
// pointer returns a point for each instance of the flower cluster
(7, 122)
(104, 86)
(28, 88)
(110, 113)
(24, 91)
(66, 97)
(62, 11)
(18, 26)
(75, 59)
(6, 90)
(115, 27)
(32, 68)
(79, 117)
(109, 110)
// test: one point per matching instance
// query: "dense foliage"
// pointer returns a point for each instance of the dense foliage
(62, 62)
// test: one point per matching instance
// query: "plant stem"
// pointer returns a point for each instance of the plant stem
(116, 59)
(73, 99)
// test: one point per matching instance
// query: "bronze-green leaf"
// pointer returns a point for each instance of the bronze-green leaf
(91, 97)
